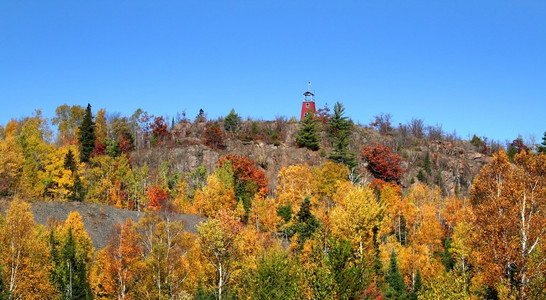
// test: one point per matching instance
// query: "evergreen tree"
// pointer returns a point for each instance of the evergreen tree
(3, 292)
(308, 135)
(201, 293)
(542, 147)
(447, 259)
(232, 121)
(339, 132)
(69, 272)
(397, 287)
(86, 135)
(76, 191)
(306, 222)
(70, 161)
(418, 285)
(348, 276)
(276, 277)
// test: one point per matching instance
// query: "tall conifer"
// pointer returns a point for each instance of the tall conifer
(397, 287)
(340, 131)
(308, 135)
(86, 135)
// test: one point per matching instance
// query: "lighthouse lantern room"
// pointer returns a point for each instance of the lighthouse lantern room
(308, 105)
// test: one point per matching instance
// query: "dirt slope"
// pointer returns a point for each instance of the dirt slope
(98, 219)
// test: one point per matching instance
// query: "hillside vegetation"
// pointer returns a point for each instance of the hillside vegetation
(138, 207)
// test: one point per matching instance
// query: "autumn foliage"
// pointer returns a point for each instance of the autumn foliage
(382, 163)
(245, 169)
(214, 137)
(157, 197)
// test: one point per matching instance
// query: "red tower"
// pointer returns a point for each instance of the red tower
(308, 105)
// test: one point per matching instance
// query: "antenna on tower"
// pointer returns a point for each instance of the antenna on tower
(309, 86)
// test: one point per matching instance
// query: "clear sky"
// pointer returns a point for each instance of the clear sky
(470, 66)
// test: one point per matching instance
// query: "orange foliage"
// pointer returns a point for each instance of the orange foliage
(214, 137)
(382, 163)
(156, 197)
(245, 169)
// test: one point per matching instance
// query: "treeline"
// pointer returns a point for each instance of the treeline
(322, 233)
(320, 236)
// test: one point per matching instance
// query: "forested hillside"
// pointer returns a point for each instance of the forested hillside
(315, 209)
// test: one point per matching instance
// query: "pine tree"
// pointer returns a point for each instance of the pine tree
(3, 292)
(308, 135)
(542, 147)
(70, 161)
(86, 135)
(69, 273)
(397, 287)
(418, 285)
(306, 222)
(232, 121)
(76, 190)
(339, 132)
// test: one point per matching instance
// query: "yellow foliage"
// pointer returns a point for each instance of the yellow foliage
(329, 177)
(264, 214)
(11, 164)
(214, 197)
(356, 219)
(24, 255)
(294, 184)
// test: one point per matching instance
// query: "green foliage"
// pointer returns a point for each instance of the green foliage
(276, 277)
(421, 176)
(418, 285)
(542, 147)
(285, 212)
(447, 259)
(69, 272)
(306, 223)
(348, 276)
(112, 147)
(396, 286)
(232, 122)
(3, 292)
(255, 128)
(202, 294)
(308, 135)
(86, 135)
(70, 161)
(339, 132)
(427, 163)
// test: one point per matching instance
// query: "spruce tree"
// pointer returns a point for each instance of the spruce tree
(306, 222)
(232, 121)
(542, 147)
(339, 132)
(86, 135)
(3, 292)
(69, 271)
(418, 285)
(76, 190)
(397, 287)
(308, 135)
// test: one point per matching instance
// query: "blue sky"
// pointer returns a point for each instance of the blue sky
(470, 66)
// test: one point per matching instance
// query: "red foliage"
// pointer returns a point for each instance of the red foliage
(159, 129)
(125, 145)
(372, 292)
(323, 114)
(245, 169)
(519, 145)
(382, 163)
(100, 149)
(214, 137)
(156, 197)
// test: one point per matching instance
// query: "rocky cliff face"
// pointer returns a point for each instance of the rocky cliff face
(452, 164)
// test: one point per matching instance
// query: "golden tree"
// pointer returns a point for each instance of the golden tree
(510, 207)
